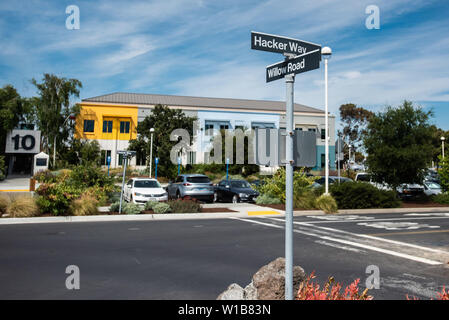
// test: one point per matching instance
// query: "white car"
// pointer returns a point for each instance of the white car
(431, 188)
(366, 177)
(142, 190)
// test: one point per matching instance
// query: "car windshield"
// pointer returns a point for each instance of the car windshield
(198, 179)
(364, 177)
(433, 185)
(240, 184)
(146, 184)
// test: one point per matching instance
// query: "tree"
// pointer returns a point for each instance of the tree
(53, 109)
(437, 133)
(164, 120)
(354, 120)
(398, 143)
(12, 111)
(443, 172)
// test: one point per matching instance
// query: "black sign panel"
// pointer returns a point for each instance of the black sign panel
(303, 63)
(272, 43)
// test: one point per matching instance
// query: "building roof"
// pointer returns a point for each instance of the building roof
(203, 102)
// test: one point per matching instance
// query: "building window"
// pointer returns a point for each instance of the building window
(323, 160)
(191, 157)
(107, 126)
(224, 127)
(89, 125)
(262, 125)
(120, 159)
(104, 157)
(209, 126)
(124, 126)
(323, 134)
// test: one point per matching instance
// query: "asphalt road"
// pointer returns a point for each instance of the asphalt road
(198, 259)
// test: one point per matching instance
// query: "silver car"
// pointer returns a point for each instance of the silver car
(196, 186)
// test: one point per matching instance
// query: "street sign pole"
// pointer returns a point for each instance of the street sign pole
(125, 159)
(289, 81)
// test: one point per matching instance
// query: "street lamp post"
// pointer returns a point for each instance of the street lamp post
(151, 150)
(326, 53)
(442, 146)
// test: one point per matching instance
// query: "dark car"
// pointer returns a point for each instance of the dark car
(235, 191)
(332, 179)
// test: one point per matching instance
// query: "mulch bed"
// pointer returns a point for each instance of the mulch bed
(410, 204)
(203, 210)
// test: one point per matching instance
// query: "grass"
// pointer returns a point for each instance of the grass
(84, 206)
(22, 206)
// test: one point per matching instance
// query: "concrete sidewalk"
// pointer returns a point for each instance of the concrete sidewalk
(15, 184)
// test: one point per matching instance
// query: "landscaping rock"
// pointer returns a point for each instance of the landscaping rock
(268, 283)
(234, 292)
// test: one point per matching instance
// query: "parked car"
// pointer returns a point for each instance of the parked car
(332, 179)
(431, 188)
(197, 186)
(235, 191)
(142, 190)
(409, 191)
(366, 177)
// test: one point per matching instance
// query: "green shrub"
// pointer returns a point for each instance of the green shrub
(131, 208)
(267, 199)
(115, 206)
(443, 172)
(161, 208)
(442, 198)
(326, 203)
(55, 198)
(22, 206)
(45, 176)
(275, 187)
(84, 206)
(362, 195)
(150, 204)
(184, 206)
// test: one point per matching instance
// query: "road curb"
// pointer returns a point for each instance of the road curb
(215, 215)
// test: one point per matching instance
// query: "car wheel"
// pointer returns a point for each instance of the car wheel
(235, 199)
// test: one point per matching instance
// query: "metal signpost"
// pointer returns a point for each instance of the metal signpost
(227, 168)
(126, 155)
(156, 161)
(179, 166)
(301, 56)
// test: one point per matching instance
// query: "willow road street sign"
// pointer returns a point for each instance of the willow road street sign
(303, 63)
(273, 43)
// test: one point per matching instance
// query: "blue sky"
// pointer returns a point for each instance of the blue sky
(202, 48)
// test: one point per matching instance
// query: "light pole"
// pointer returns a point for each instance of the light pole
(442, 146)
(151, 150)
(326, 53)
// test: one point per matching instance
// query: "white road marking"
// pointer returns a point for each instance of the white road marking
(396, 225)
(334, 245)
(370, 237)
(355, 244)
(374, 219)
(436, 214)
